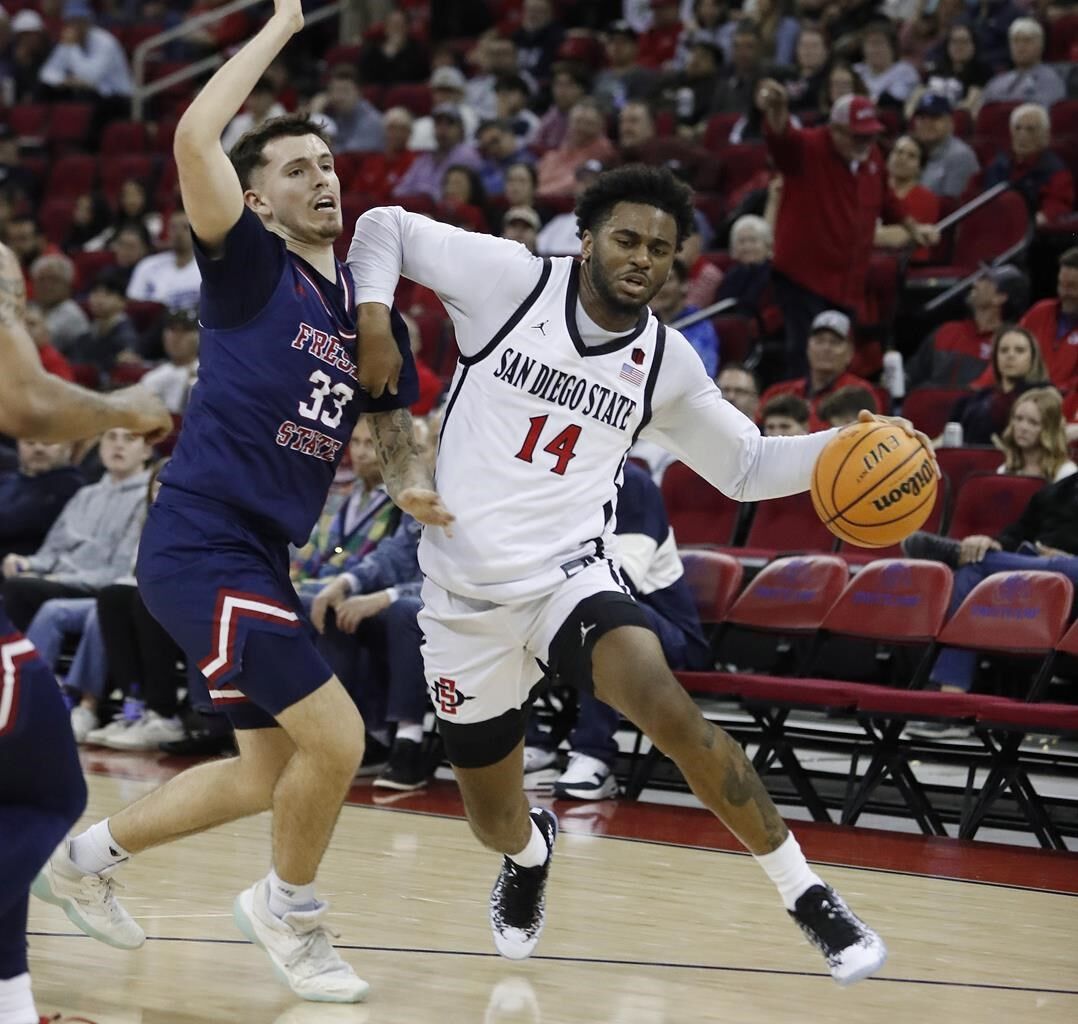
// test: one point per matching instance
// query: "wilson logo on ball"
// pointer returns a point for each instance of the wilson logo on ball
(924, 476)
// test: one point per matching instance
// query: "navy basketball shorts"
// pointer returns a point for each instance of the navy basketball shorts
(219, 585)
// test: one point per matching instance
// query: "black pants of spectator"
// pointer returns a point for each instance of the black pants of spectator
(141, 654)
(23, 595)
(799, 308)
(380, 664)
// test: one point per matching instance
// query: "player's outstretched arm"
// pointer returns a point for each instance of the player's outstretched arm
(35, 404)
(212, 195)
(405, 474)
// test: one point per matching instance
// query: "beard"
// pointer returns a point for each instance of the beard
(604, 288)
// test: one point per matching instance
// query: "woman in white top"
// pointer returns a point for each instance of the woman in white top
(1035, 443)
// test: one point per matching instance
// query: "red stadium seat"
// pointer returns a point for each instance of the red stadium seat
(994, 122)
(988, 502)
(959, 463)
(929, 408)
(416, 98)
(120, 167)
(29, 121)
(717, 132)
(344, 53)
(714, 579)
(791, 595)
(698, 513)
(785, 526)
(124, 137)
(69, 126)
(71, 177)
(89, 264)
(741, 163)
(144, 315)
(963, 123)
(54, 216)
(1062, 41)
(737, 337)
(1064, 115)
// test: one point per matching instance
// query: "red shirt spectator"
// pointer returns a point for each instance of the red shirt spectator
(1054, 323)
(659, 44)
(379, 173)
(430, 389)
(55, 363)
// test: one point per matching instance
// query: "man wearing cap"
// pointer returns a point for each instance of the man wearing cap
(447, 86)
(830, 349)
(1054, 322)
(425, 176)
(623, 78)
(959, 351)
(172, 380)
(87, 58)
(949, 162)
(561, 235)
(834, 192)
(521, 224)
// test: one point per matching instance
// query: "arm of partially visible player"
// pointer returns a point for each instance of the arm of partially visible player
(212, 195)
(694, 422)
(36, 404)
(404, 472)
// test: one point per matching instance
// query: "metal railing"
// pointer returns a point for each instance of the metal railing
(145, 91)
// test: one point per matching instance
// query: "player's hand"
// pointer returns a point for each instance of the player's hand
(903, 424)
(425, 506)
(290, 12)
(974, 548)
(332, 595)
(144, 413)
(352, 612)
(379, 364)
(15, 564)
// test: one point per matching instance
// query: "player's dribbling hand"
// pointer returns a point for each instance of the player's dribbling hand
(332, 595)
(425, 506)
(903, 424)
(291, 12)
(379, 363)
(146, 413)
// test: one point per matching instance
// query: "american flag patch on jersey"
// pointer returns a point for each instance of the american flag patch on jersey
(634, 375)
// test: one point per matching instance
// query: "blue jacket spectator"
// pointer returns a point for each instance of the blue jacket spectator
(32, 497)
(669, 306)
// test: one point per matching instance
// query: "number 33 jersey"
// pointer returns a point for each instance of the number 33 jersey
(535, 436)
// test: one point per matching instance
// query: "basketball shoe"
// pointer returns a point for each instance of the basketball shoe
(852, 950)
(298, 947)
(518, 899)
(88, 900)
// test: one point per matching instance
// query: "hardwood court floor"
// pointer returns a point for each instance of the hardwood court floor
(638, 933)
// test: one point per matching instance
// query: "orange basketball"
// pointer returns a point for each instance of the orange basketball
(873, 484)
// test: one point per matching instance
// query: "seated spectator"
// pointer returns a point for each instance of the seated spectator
(93, 541)
(740, 388)
(367, 618)
(464, 200)
(1016, 366)
(33, 496)
(949, 163)
(737, 87)
(778, 30)
(447, 86)
(889, 80)
(689, 91)
(494, 56)
(27, 242)
(842, 80)
(133, 210)
(520, 183)
(843, 407)
(171, 278)
(829, 351)
(349, 530)
(784, 415)
(658, 45)
(130, 246)
(748, 278)
(425, 175)
(500, 150)
(88, 61)
(394, 55)
(30, 46)
(261, 105)
(91, 224)
(16, 181)
(1035, 442)
(561, 235)
(1043, 538)
(38, 329)
(915, 202)
(379, 173)
(538, 38)
(704, 276)
(1054, 323)
(651, 567)
(711, 20)
(511, 98)
(959, 351)
(53, 278)
(1035, 170)
(358, 122)
(669, 306)
(431, 386)
(636, 128)
(585, 140)
(111, 333)
(521, 224)
(806, 86)
(172, 380)
(957, 72)
(624, 78)
(1030, 81)
(568, 86)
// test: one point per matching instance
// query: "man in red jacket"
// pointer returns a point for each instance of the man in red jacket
(1054, 323)
(834, 192)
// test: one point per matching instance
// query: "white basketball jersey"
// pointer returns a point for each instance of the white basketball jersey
(535, 435)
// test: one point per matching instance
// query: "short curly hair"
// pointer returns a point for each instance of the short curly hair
(636, 183)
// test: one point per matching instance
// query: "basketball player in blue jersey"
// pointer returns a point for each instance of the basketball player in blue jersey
(276, 401)
(42, 791)
(562, 368)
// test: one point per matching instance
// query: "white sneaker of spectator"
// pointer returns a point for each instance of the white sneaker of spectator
(83, 723)
(146, 733)
(539, 768)
(101, 735)
(586, 778)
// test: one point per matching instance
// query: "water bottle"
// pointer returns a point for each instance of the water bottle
(894, 375)
(952, 435)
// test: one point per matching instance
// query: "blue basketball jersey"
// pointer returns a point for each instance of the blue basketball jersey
(276, 399)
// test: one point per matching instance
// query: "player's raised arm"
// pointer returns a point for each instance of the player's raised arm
(35, 404)
(212, 195)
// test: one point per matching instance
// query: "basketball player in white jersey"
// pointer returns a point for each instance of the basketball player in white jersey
(562, 368)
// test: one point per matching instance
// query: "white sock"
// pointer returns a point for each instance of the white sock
(789, 870)
(535, 853)
(412, 731)
(95, 850)
(17, 1001)
(284, 897)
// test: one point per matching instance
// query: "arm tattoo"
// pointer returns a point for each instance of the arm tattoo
(402, 465)
(12, 288)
